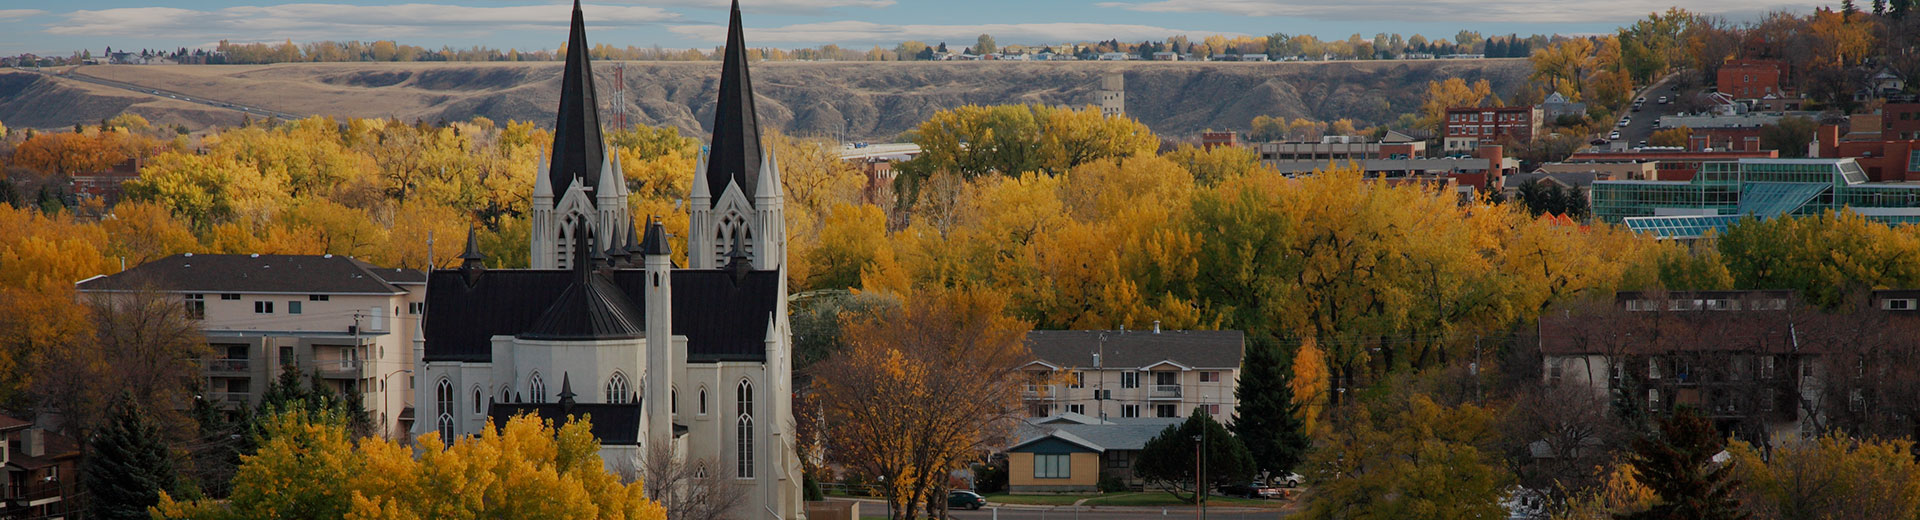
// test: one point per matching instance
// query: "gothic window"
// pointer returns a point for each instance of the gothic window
(476, 399)
(506, 393)
(443, 400)
(617, 389)
(673, 401)
(536, 389)
(703, 400)
(744, 403)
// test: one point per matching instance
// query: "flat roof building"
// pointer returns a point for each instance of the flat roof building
(1725, 192)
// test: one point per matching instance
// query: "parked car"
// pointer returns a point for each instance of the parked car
(1614, 136)
(1292, 480)
(965, 500)
(1249, 490)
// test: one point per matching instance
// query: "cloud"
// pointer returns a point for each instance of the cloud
(1517, 11)
(850, 32)
(337, 21)
(769, 6)
(14, 14)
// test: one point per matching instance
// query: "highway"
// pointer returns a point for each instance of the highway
(74, 73)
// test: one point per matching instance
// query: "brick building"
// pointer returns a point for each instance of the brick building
(105, 185)
(1900, 120)
(1885, 160)
(1751, 79)
(1472, 127)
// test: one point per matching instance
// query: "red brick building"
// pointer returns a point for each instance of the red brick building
(1211, 140)
(40, 471)
(1472, 127)
(105, 185)
(1884, 160)
(1751, 79)
(1900, 121)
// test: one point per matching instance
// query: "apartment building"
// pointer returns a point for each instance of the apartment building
(1125, 374)
(1467, 128)
(351, 322)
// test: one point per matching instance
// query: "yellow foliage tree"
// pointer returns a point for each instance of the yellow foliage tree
(1452, 93)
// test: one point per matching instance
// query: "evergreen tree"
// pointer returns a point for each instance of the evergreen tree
(127, 466)
(1879, 7)
(1267, 419)
(1676, 462)
(1167, 461)
(314, 396)
(1847, 10)
(1898, 8)
(222, 438)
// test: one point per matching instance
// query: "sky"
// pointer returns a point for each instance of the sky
(49, 27)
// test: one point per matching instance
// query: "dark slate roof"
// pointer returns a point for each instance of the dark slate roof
(723, 319)
(257, 274)
(734, 152)
(1113, 434)
(577, 148)
(1138, 349)
(613, 424)
(590, 308)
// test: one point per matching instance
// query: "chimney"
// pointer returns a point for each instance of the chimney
(33, 442)
(1156, 326)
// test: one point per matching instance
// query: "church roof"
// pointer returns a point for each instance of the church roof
(734, 153)
(724, 319)
(591, 307)
(613, 424)
(577, 147)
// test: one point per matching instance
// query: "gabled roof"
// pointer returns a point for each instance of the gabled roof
(734, 152)
(1200, 349)
(577, 147)
(1113, 434)
(322, 274)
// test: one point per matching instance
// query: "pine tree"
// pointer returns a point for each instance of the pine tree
(128, 465)
(1167, 461)
(1267, 419)
(1847, 10)
(1879, 7)
(1676, 462)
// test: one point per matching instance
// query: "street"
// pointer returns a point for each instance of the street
(875, 508)
(1642, 126)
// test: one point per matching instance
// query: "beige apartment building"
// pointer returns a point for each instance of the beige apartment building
(349, 321)
(1123, 374)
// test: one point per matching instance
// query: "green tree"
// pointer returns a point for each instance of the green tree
(1267, 419)
(313, 396)
(1676, 462)
(984, 45)
(1790, 136)
(128, 465)
(1167, 461)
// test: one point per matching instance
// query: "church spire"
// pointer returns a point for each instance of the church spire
(735, 155)
(577, 147)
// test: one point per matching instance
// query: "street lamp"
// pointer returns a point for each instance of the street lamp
(384, 426)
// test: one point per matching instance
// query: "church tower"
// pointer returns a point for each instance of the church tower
(736, 187)
(581, 182)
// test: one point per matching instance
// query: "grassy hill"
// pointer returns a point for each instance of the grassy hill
(871, 101)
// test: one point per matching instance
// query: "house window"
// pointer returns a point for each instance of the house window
(1129, 380)
(196, 306)
(1857, 401)
(1052, 466)
(416, 308)
(1766, 367)
(1553, 374)
(318, 297)
(536, 389)
(1209, 377)
(1900, 304)
(1130, 410)
(293, 307)
(617, 389)
(1164, 410)
(263, 307)
(744, 403)
(1653, 369)
(1653, 399)
(1077, 380)
(1077, 408)
(230, 296)
(443, 398)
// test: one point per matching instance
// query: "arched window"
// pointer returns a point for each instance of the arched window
(673, 400)
(617, 389)
(506, 393)
(536, 389)
(703, 400)
(476, 399)
(744, 403)
(443, 400)
(700, 470)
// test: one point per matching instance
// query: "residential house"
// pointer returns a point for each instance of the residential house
(1133, 373)
(1751, 79)
(1071, 453)
(350, 321)
(41, 474)
(1557, 105)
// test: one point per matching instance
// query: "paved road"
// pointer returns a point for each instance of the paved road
(877, 508)
(77, 74)
(1642, 125)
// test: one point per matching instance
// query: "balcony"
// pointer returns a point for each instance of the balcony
(237, 398)
(1041, 392)
(227, 366)
(1164, 392)
(342, 368)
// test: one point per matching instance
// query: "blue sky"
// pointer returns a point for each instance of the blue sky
(58, 28)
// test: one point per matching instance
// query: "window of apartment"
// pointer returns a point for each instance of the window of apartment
(293, 307)
(1047, 465)
(1766, 367)
(1164, 410)
(286, 355)
(196, 306)
(317, 297)
(1129, 380)
(1077, 408)
(1213, 409)
(1653, 399)
(1129, 411)
(416, 308)
(1209, 377)
(230, 296)
(1076, 380)
(263, 307)
(1653, 368)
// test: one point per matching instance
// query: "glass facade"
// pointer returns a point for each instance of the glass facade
(1723, 192)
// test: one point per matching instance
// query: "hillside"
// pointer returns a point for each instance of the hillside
(873, 101)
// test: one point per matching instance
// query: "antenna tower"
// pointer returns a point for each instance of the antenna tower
(619, 96)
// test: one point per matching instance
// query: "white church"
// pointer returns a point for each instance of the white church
(605, 325)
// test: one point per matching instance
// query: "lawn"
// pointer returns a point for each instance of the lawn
(1161, 498)
(1036, 500)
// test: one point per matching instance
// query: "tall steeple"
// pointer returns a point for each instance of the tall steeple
(735, 153)
(577, 148)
